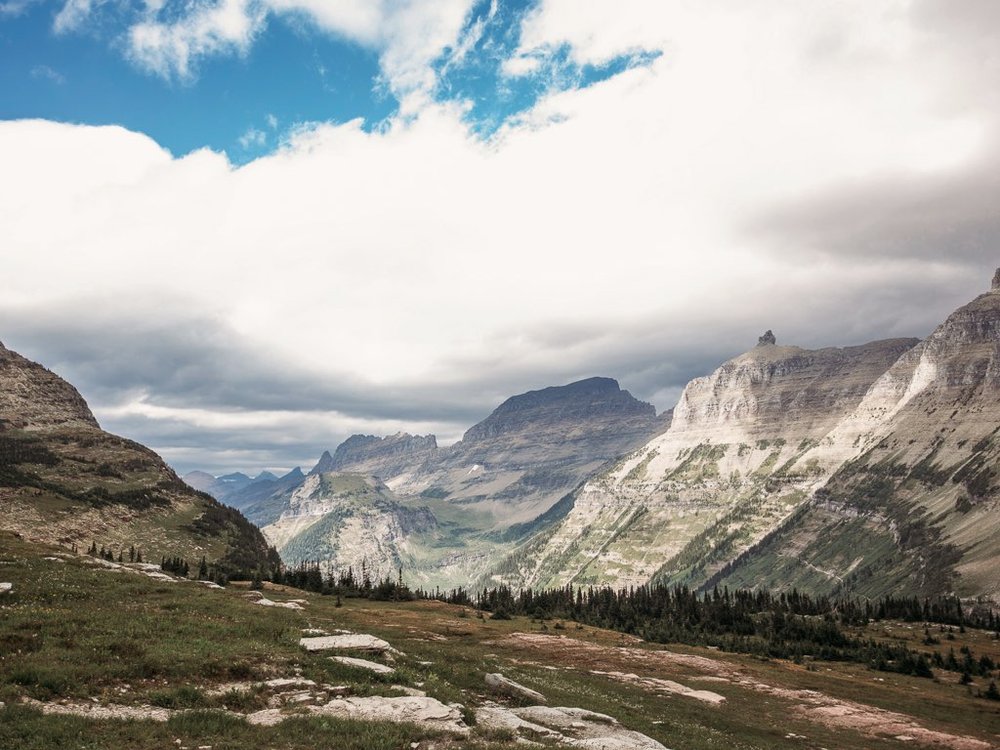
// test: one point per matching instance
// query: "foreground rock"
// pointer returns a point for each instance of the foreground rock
(5, 588)
(371, 666)
(422, 711)
(500, 684)
(350, 642)
(575, 727)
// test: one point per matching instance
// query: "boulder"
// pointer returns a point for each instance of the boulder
(575, 727)
(348, 642)
(426, 712)
(6, 588)
(500, 684)
(371, 666)
(767, 339)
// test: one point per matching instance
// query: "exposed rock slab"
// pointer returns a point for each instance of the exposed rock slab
(500, 684)
(350, 642)
(371, 666)
(427, 712)
(575, 727)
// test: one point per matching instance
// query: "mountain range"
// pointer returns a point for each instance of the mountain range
(867, 469)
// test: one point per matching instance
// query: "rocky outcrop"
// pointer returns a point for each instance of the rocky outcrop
(570, 727)
(348, 642)
(767, 339)
(500, 684)
(33, 397)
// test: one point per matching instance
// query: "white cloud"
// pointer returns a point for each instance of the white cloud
(170, 38)
(272, 121)
(253, 138)
(211, 27)
(607, 228)
(74, 14)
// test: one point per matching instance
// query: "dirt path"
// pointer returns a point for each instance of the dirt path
(815, 706)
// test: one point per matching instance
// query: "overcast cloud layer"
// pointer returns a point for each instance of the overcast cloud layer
(828, 170)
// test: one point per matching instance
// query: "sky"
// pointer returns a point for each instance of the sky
(246, 229)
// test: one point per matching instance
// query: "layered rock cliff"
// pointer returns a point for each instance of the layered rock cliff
(915, 504)
(718, 479)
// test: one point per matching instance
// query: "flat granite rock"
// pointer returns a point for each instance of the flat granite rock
(371, 666)
(575, 727)
(500, 684)
(352, 641)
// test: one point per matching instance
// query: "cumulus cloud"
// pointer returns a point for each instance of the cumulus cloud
(784, 167)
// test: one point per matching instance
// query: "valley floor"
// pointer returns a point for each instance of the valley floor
(101, 657)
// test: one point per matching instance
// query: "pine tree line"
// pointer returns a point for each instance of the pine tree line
(787, 625)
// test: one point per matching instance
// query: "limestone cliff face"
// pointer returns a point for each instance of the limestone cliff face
(32, 397)
(719, 478)
(915, 503)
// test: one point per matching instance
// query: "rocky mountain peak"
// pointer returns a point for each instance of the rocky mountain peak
(593, 398)
(996, 287)
(33, 397)
(768, 339)
(324, 464)
(381, 456)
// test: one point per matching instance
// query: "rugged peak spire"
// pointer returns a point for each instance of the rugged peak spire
(996, 287)
(767, 339)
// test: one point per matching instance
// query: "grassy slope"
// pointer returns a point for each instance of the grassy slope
(73, 631)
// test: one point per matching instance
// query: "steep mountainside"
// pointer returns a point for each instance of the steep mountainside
(916, 505)
(717, 480)
(346, 520)
(64, 480)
